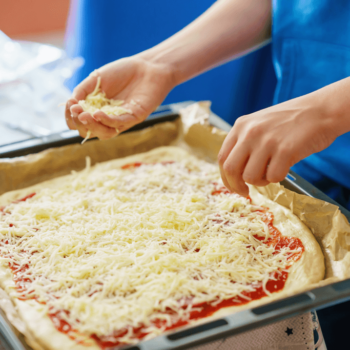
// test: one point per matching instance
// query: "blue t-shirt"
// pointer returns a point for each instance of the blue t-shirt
(311, 49)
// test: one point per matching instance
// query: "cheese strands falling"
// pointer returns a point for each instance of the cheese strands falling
(118, 247)
(88, 134)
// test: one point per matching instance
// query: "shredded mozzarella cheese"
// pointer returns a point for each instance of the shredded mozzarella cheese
(119, 247)
(97, 101)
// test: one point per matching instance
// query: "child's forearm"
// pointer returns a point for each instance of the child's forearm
(227, 30)
(334, 100)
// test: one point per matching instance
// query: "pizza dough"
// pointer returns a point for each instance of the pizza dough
(307, 270)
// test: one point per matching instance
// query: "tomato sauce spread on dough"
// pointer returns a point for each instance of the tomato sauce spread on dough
(138, 164)
(275, 283)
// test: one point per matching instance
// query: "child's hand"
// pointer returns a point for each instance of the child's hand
(261, 147)
(142, 86)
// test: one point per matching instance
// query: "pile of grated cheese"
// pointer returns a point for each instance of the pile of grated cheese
(97, 101)
(119, 247)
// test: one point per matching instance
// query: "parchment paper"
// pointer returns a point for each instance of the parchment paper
(193, 133)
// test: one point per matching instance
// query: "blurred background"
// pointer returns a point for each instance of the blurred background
(48, 47)
(35, 20)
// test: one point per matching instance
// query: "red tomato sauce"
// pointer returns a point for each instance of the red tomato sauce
(275, 283)
(132, 165)
(23, 199)
(218, 189)
(138, 164)
(206, 309)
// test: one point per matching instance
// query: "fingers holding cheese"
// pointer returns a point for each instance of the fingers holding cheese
(118, 96)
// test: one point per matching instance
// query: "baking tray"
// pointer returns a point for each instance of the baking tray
(225, 326)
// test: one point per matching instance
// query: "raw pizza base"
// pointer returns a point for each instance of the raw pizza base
(40, 332)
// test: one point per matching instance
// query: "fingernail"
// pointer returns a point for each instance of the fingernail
(83, 121)
(97, 118)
